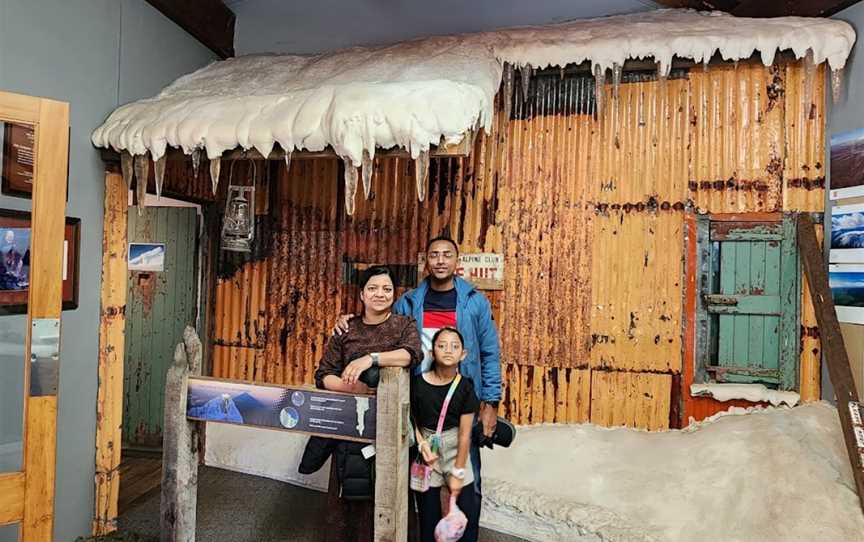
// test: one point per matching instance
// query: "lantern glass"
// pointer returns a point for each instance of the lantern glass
(238, 227)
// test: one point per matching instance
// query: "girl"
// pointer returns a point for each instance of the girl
(446, 452)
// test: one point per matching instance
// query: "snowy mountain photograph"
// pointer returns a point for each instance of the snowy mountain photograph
(847, 230)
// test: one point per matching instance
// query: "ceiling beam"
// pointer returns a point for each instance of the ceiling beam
(209, 21)
(782, 8)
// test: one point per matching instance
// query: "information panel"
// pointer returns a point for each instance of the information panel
(302, 409)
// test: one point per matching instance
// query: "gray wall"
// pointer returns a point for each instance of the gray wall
(846, 115)
(324, 25)
(94, 54)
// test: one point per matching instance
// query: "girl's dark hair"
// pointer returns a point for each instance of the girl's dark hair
(451, 330)
(373, 271)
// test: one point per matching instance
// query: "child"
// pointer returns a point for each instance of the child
(446, 453)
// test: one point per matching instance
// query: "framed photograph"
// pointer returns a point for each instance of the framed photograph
(847, 234)
(15, 239)
(146, 256)
(18, 152)
(847, 165)
(847, 289)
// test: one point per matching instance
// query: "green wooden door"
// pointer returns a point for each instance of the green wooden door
(159, 305)
(750, 303)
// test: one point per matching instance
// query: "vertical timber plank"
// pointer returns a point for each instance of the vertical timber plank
(112, 323)
(391, 449)
(45, 300)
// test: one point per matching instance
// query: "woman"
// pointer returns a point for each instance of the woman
(376, 338)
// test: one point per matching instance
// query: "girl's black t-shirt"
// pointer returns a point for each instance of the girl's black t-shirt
(427, 400)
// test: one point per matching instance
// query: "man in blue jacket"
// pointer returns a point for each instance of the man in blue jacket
(443, 299)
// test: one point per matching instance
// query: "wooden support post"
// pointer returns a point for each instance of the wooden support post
(391, 457)
(112, 325)
(832, 341)
(180, 446)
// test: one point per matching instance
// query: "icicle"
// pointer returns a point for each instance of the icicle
(599, 86)
(288, 156)
(809, 81)
(421, 174)
(196, 161)
(126, 167)
(215, 167)
(507, 88)
(836, 84)
(142, 171)
(661, 74)
(159, 171)
(562, 73)
(350, 185)
(526, 72)
(368, 168)
(616, 78)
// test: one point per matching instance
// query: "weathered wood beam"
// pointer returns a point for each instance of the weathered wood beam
(832, 341)
(391, 457)
(180, 447)
(112, 324)
(783, 8)
(209, 21)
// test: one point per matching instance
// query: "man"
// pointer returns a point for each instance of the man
(443, 299)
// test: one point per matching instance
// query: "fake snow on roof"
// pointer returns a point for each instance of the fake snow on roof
(420, 93)
(769, 475)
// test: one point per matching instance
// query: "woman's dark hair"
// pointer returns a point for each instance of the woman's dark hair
(374, 271)
(448, 329)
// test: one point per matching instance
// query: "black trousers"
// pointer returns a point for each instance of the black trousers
(429, 508)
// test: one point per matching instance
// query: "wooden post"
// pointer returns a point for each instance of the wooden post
(391, 457)
(180, 446)
(832, 341)
(112, 325)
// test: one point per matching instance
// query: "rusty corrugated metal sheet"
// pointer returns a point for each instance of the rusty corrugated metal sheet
(588, 213)
(804, 172)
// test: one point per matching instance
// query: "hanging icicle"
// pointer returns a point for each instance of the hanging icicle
(288, 156)
(507, 88)
(368, 168)
(159, 174)
(350, 185)
(421, 174)
(599, 87)
(525, 73)
(215, 168)
(809, 81)
(836, 85)
(563, 72)
(661, 74)
(617, 71)
(142, 172)
(196, 161)
(126, 168)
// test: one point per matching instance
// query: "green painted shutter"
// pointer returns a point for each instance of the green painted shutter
(749, 303)
(159, 305)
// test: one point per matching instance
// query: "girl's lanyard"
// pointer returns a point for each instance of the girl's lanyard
(435, 440)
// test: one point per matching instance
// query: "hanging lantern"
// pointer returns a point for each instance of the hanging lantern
(238, 228)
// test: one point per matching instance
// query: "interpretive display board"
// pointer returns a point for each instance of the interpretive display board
(288, 408)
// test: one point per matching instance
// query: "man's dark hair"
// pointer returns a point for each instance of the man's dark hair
(373, 271)
(442, 238)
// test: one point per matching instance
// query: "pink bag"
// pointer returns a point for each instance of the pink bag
(452, 526)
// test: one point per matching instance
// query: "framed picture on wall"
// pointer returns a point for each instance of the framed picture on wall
(15, 256)
(847, 165)
(16, 170)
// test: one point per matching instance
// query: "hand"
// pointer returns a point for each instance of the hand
(429, 456)
(352, 372)
(455, 486)
(342, 324)
(489, 418)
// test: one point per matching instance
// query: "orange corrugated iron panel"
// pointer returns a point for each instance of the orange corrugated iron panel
(639, 400)
(804, 171)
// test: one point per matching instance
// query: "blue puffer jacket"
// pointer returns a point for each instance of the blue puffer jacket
(474, 320)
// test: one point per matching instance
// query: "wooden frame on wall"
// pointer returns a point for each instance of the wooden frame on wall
(13, 297)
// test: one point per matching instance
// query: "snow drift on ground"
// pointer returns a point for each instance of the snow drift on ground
(414, 93)
(770, 475)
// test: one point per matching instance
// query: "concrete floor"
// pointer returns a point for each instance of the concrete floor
(242, 508)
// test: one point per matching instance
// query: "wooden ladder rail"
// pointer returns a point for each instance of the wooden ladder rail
(832, 343)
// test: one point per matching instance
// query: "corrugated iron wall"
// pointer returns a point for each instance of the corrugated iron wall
(590, 215)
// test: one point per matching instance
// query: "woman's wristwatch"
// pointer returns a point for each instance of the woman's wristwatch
(376, 358)
(458, 473)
